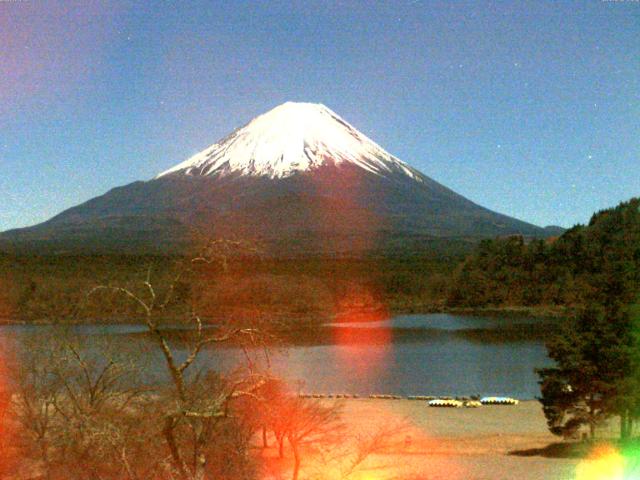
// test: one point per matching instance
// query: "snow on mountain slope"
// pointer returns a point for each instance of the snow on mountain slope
(290, 138)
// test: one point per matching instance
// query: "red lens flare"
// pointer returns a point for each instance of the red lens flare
(7, 427)
(344, 224)
(362, 350)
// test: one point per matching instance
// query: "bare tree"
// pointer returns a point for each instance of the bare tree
(311, 423)
(356, 454)
(79, 409)
(272, 401)
(85, 414)
(191, 416)
(315, 429)
(7, 438)
(37, 392)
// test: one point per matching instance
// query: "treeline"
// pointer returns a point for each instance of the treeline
(53, 288)
(566, 271)
(593, 272)
(562, 273)
(596, 373)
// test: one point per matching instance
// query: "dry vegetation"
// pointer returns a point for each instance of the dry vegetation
(81, 408)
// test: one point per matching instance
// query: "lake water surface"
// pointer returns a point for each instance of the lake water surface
(435, 354)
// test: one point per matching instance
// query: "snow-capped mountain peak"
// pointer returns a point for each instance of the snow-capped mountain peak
(290, 138)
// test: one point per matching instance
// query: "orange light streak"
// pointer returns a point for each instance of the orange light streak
(7, 454)
(607, 462)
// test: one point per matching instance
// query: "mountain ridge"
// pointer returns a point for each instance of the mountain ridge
(349, 197)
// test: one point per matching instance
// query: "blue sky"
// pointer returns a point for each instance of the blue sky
(528, 108)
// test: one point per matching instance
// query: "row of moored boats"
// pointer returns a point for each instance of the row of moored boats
(469, 402)
(455, 403)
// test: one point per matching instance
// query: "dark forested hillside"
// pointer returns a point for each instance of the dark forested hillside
(584, 264)
(567, 270)
(53, 287)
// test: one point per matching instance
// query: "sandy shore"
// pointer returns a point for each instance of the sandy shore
(486, 443)
(466, 443)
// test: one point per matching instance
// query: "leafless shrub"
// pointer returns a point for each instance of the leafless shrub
(193, 412)
(78, 407)
(86, 413)
(357, 455)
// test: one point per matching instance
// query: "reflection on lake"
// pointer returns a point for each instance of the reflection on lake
(444, 321)
(436, 354)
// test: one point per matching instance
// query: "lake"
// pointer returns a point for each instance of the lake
(434, 354)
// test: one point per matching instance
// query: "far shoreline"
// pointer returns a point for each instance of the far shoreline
(542, 312)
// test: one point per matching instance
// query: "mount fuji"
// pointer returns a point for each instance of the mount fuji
(292, 138)
(298, 179)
